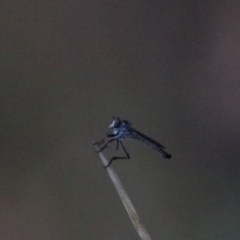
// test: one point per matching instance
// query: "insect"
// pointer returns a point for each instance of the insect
(122, 129)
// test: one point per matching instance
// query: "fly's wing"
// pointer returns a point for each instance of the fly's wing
(142, 137)
(152, 143)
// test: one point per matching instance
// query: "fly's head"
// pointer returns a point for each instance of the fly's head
(116, 123)
(118, 126)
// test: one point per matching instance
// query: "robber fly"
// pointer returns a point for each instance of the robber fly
(122, 129)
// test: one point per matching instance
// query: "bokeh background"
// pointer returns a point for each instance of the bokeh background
(169, 67)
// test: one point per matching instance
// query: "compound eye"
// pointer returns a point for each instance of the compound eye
(115, 123)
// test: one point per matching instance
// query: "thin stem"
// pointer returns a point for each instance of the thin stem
(142, 232)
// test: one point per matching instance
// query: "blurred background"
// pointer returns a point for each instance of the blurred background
(169, 67)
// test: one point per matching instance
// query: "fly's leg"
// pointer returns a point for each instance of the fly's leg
(114, 158)
(118, 158)
(99, 142)
(117, 144)
(105, 145)
(125, 150)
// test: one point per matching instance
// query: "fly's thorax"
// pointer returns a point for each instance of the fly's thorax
(126, 124)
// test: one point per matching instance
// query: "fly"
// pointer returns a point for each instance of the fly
(122, 129)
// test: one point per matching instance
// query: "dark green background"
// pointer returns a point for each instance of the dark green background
(169, 67)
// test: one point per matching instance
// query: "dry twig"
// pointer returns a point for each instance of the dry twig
(142, 232)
